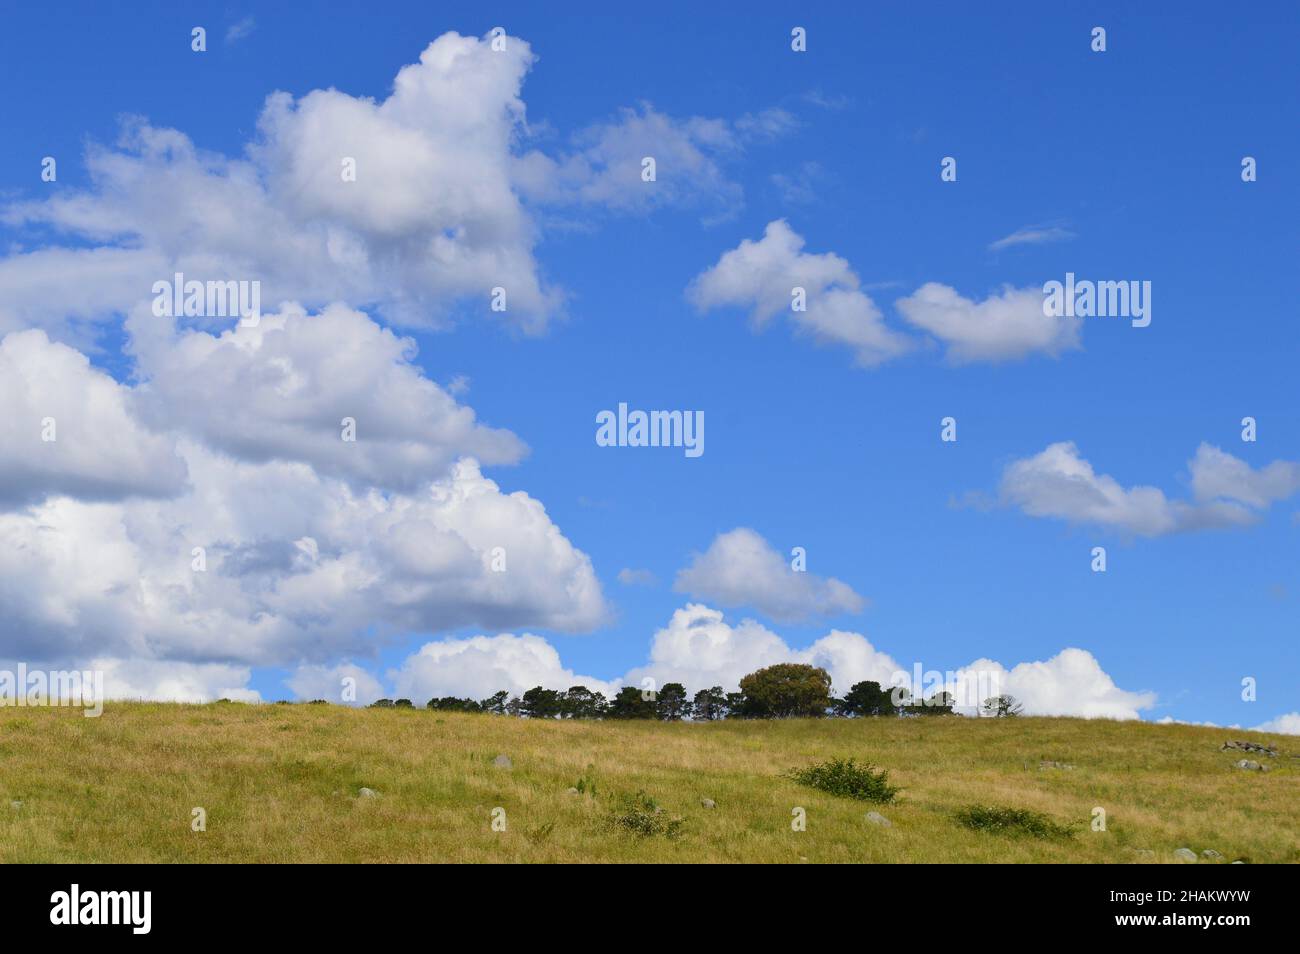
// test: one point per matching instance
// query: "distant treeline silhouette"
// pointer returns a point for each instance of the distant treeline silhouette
(781, 691)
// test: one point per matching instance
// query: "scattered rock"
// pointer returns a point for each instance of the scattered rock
(572, 791)
(1055, 765)
(503, 761)
(708, 803)
(1249, 747)
(878, 819)
(1186, 856)
(1211, 854)
(16, 803)
(367, 793)
(1251, 765)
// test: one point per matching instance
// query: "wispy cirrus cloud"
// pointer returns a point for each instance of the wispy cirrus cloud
(240, 29)
(1032, 235)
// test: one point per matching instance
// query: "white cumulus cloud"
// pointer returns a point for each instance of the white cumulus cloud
(1003, 327)
(479, 666)
(1058, 482)
(69, 428)
(761, 275)
(740, 568)
(1287, 724)
(280, 390)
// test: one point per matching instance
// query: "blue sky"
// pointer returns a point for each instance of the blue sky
(1130, 158)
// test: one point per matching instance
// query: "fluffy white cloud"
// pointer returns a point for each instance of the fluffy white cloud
(760, 276)
(413, 204)
(1288, 724)
(1057, 482)
(482, 665)
(1071, 683)
(280, 390)
(430, 218)
(699, 649)
(740, 569)
(98, 450)
(298, 568)
(1002, 327)
(1217, 475)
(168, 681)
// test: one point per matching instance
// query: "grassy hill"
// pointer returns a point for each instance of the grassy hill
(280, 783)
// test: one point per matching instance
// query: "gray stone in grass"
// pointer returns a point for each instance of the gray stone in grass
(503, 761)
(1249, 747)
(878, 819)
(16, 803)
(1211, 854)
(1186, 856)
(367, 793)
(1249, 765)
(572, 791)
(708, 803)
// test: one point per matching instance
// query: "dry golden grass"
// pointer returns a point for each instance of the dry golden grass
(280, 782)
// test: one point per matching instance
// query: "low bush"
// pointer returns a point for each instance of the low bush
(1011, 821)
(640, 815)
(844, 777)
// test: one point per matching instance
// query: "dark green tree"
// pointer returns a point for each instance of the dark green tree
(866, 699)
(709, 704)
(788, 689)
(940, 703)
(539, 703)
(581, 703)
(495, 703)
(671, 703)
(453, 704)
(630, 703)
(740, 706)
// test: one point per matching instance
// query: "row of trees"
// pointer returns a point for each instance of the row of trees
(781, 691)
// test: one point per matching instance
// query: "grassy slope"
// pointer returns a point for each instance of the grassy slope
(280, 783)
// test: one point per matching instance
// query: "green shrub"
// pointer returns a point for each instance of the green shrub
(846, 778)
(640, 815)
(1011, 821)
(586, 783)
